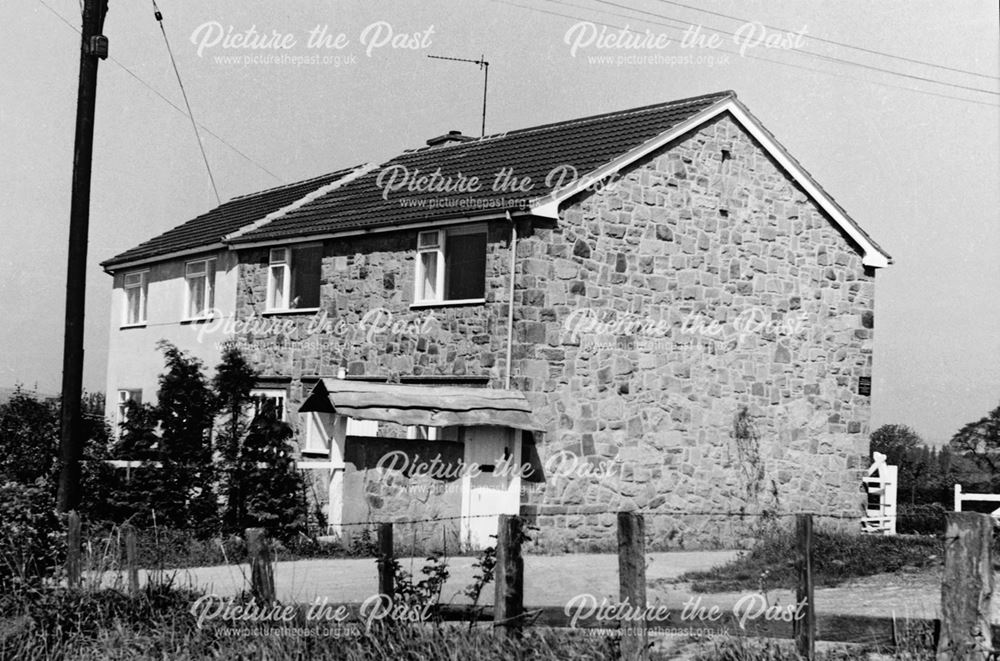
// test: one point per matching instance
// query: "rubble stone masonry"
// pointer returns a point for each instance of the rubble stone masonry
(694, 333)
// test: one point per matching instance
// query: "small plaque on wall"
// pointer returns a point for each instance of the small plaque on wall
(865, 386)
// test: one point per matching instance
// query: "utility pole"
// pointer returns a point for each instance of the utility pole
(94, 46)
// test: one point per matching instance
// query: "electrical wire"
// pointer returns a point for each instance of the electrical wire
(818, 55)
(836, 43)
(173, 105)
(194, 125)
(755, 57)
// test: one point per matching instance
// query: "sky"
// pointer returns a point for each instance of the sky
(915, 162)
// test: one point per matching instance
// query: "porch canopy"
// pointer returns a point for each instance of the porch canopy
(431, 406)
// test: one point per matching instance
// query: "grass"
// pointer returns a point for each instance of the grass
(837, 557)
(158, 624)
(179, 549)
(750, 649)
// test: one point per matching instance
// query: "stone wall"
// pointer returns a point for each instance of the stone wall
(694, 333)
(704, 291)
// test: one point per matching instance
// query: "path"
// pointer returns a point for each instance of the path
(550, 579)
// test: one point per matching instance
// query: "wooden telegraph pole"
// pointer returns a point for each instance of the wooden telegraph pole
(94, 46)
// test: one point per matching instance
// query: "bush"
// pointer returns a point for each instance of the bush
(32, 545)
(837, 557)
(925, 519)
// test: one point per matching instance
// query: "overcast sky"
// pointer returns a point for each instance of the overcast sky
(914, 162)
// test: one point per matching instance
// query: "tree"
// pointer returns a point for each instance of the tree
(904, 449)
(234, 380)
(29, 437)
(29, 445)
(274, 488)
(896, 442)
(185, 409)
(980, 442)
(138, 492)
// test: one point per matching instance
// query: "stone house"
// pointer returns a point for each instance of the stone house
(654, 309)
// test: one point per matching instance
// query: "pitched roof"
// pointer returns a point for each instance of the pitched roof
(591, 148)
(585, 144)
(209, 228)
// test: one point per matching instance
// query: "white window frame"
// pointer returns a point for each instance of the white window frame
(143, 286)
(208, 273)
(319, 432)
(280, 394)
(418, 284)
(419, 297)
(126, 395)
(282, 264)
(286, 266)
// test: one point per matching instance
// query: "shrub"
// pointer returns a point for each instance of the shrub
(31, 541)
(837, 557)
(925, 519)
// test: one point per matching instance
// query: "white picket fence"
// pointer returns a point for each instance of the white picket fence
(981, 497)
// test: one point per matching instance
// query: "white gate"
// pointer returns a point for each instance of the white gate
(880, 483)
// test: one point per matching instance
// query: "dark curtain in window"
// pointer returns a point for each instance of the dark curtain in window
(306, 266)
(440, 459)
(465, 266)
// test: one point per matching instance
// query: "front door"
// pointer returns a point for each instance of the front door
(495, 488)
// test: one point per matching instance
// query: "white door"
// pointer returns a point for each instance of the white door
(489, 493)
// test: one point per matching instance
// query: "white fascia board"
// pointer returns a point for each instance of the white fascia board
(873, 256)
(147, 261)
(373, 230)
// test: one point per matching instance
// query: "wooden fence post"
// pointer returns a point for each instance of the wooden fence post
(386, 584)
(73, 549)
(804, 626)
(966, 588)
(509, 572)
(261, 567)
(632, 583)
(131, 560)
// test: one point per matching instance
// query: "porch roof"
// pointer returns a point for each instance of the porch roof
(432, 406)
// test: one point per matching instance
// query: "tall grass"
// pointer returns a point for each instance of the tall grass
(837, 557)
(157, 624)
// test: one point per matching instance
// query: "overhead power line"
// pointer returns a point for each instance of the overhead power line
(167, 100)
(821, 56)
(194, 125)
(837, 43)
(750, 56)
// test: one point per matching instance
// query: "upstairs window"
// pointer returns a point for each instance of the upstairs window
(200, 297)
(135, 287)
(293, 277)
(451, 265)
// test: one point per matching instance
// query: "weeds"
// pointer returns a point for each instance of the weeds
(837, 557)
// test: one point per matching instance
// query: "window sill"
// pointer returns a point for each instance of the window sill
(447, 304)
(196, 320)
(141, 324)
(271, 313)
(316, 454)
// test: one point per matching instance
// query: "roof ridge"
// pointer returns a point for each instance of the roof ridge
(724, 94)
(350, 175)
(290, 184)
(625, 111)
